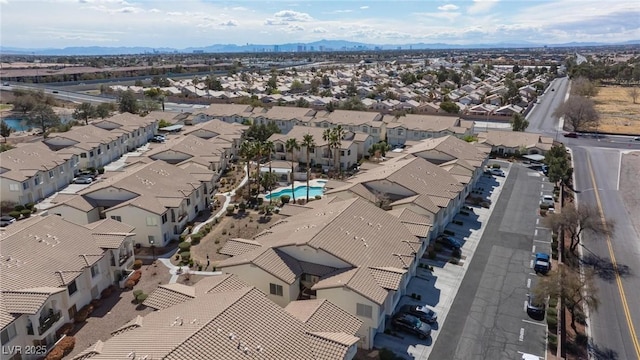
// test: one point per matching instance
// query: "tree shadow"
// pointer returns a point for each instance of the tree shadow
(603, 353)
(604, 268)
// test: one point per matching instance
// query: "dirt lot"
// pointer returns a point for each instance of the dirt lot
(629, 182)
(238, 226)
(617, 111)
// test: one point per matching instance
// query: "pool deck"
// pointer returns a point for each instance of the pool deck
(312, 183)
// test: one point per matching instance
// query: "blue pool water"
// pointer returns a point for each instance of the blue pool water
(16, 124)
(300, 192)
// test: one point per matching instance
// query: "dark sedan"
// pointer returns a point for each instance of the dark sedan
(424, 313)
(411, 324)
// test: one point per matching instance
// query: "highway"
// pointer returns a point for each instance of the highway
(614, 326)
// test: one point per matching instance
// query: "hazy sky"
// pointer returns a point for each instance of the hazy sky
(192, 23)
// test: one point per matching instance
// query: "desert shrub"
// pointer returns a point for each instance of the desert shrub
(224, 231)
(318, 197)
(26, 213)
(230, 209)
(129, 284)
(137, 264)
(552, 322)
(19, 208)
(136, 293)
(185, 255)
(83, 314)
(100, 170)
(217, 241)
(141, 298)
(195, 238)
(243, 206)
(29, 205)
(15, 214)
(55, 354)
(553, 302)
(136, 276)
(580, 318)
(285, 199)
(551, 311)
(184, 246)
(553, 342)
(232, 226)
(67, 344)
(496, 166)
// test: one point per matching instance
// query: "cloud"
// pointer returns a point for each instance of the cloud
(154, 10)
(275, 22)
(294, 28)
(447, 15)
(290, 15)
(320, 30)
(128, 10)
(229, 23)
(341, 11)
(448, 7)
(364, 7)
(481, 6)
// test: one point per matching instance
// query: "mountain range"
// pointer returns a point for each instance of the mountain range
(322, 45)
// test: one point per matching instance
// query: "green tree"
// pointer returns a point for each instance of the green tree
(326, 136)
(291, 145)
(213, 83)
(302, 103)
(43, 117)
(408, 77)
(379, 150)
(309, 144)
(337, 133)
(84, 111)
(450, 107)
(519, 123)
(352, 90)
(559, 164)
(269, 149)
(103, 110)
(24, 103)
(5, 130)
(272, 83)
(296, 86)
(248, 152)
(127, 102)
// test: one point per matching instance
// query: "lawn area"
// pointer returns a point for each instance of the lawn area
(618, 113)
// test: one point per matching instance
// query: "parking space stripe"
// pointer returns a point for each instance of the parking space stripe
(543, 241)
(534, 323)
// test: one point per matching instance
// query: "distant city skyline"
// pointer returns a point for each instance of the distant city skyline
(199, 23)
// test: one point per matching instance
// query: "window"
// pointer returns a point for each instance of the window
(83, 155)
(95, 270)
(164, 218)
(116, 218)
(14, 187)
(37, 180)
(152, 221)
(374, 131)
(72, 287)
(25, 185)
(91, 153)
(197, 193)
(275, 289)
(99, 151)
(8, 334)
(51, 174)
(152, 239)
(364, 310)
(188, 201)
(400, 132)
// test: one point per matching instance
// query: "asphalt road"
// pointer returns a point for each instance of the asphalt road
(541, 119)
(615, 324)
(488, 319)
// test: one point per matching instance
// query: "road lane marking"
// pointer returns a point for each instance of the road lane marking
(525, 306)
(533, 249)
(535, 323)
(533, 274)
(528, 283)
(535, 233)
(537, 221)
(521, 337)
(531, 264)
(543, 241)
(619, 170)
(623, 297)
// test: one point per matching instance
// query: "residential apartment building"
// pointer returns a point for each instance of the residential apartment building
(411, 127)
(31, 172)
(50, 269)
(511, 142)
(284, 117)
(137, 129)
(157, 198)
(356, 121)
(229, 113)
(349, 252)
(224, 316)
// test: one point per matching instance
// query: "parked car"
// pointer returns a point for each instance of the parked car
(448, 242)
(411, 324)
(6, 220)
(545, 170)
(535, 306)
(636, 138)
(83, 180)
(424, 313)
(571, 135)
(542, 263)
(497, 172)
(547, 200)
(158, 139)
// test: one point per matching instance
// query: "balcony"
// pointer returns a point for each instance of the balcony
(123, 259)
(48, 321)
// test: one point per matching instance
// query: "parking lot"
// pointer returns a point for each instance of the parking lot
(440, 287)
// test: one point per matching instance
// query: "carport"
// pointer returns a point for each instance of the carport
(534, 157)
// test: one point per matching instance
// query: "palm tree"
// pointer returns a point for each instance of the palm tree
(336, 138)
(259, 151)
(326, 136)
(269, 148)
(247, 151)
(309, 144)
(291, 145)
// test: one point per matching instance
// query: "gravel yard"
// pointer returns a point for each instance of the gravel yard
(117, 309)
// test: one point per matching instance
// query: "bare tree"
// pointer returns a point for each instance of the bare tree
(576, 221)
(583, 87)
(633, 93)
(579, 113)
(574, 289)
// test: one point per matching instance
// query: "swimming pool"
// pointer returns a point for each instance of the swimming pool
(16, 124)
(299, 191)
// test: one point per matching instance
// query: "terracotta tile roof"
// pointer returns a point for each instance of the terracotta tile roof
(135, 323)
(419, 225)
(236, 246)
(422, 122)
(287, 113)
(218, 323)
(514, 139)
(6, 317)
(221, 283)
(107, 226)
(388, 278)
(224, 110)
(359, 280)
(50, 252)
(331, 346)
(322, 315)
(27, 301)
(168, 295)
(453, 147)
(346, 117)
(75, 201)
(25, 161)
